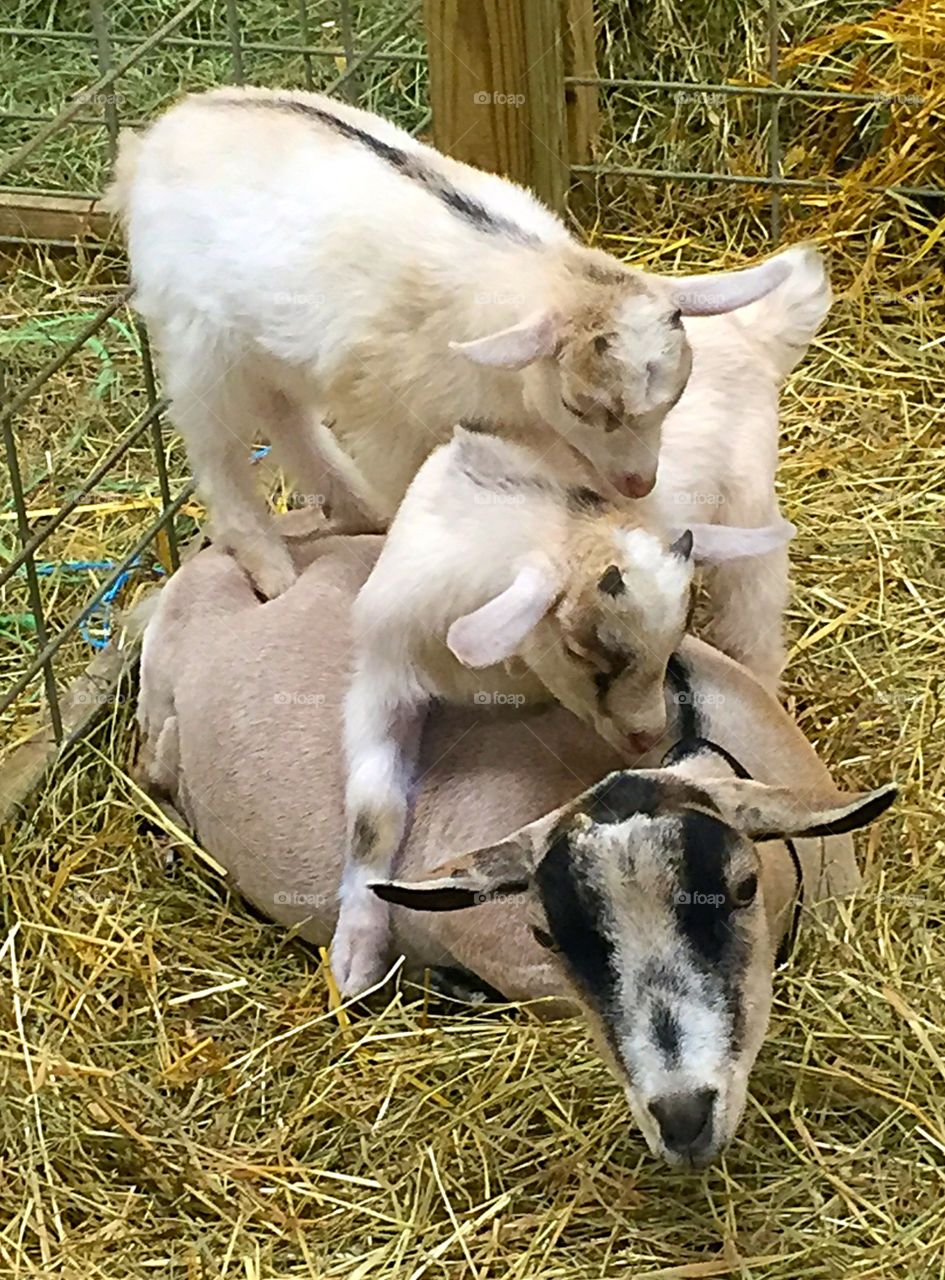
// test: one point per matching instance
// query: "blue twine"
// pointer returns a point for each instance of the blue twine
(97, 616)
(100, 615)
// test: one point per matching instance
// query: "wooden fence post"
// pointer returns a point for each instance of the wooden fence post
(580, 59)
(497, 90)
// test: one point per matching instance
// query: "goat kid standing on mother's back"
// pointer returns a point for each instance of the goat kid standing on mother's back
(294, 255)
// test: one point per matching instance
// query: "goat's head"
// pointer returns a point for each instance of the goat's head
(598, 632)
(649, 891)
(609, 361)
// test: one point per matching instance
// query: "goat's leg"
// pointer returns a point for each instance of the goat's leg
(747, 599)
(218, 403)
(383, 723)
(316, 480)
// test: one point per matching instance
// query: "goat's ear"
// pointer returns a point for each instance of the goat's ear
(711, 295)
(716, 543)
(516, 347)
(447, 893)
(766, 813)
(482, 875)
(494, 631)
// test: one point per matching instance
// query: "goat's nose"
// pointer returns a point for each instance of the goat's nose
(640, 743)
(632, 485)
(685, 1121)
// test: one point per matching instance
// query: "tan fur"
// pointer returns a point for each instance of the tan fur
(252, 695)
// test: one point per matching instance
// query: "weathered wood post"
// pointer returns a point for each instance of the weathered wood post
(497, 88)
(580, 59)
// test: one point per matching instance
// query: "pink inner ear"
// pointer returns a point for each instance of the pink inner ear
(494, 631)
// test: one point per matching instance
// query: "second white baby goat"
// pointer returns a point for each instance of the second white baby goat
(496, 560)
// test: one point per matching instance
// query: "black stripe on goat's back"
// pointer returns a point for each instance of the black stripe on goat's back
(618, 798)
(583, 500)
(684, 748)
(467, 207)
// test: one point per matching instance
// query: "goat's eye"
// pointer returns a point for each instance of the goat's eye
(573, 409)
(744, 892)
(544, 939)
(675, 320)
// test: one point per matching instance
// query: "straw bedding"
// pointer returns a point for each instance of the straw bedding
(178, 1094)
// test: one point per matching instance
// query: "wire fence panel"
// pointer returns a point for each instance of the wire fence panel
(119, 480)
(776, 118)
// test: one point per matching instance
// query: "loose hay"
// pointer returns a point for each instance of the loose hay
(180, 1098)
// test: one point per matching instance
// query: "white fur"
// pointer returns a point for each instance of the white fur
(287, 271)
(490, 564)
(720, 455)
(248, 696)
(483, 546)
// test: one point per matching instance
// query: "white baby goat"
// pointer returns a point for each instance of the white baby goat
(294, 254)
(495, 561)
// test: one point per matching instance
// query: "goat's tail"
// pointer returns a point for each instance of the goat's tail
(118, 192)
(786, 319)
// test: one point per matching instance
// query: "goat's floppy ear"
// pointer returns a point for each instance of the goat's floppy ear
(716, 543)
(763, 812)
(478, 876)
(494, 631)
(711, 295)
(516, 347)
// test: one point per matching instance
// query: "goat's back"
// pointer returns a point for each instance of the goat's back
(255, 692)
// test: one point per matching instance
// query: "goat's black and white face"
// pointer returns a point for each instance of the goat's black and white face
(648, 891)
(621, 617)
(655, 910)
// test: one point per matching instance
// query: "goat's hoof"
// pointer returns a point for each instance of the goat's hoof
(270, 575)
(357, 957)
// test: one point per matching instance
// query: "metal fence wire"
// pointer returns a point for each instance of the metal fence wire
(374, 55)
